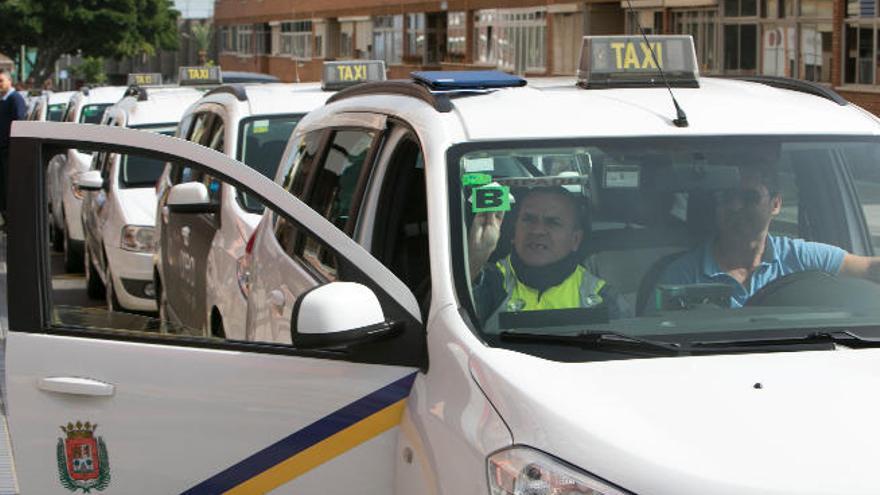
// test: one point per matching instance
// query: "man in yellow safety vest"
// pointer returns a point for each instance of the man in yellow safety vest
(543, 270)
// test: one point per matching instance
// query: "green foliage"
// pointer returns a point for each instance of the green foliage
(94, 28)
(90, 70)
(201, 34)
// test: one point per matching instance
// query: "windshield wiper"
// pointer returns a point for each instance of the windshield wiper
(598, 340)
(843, 337)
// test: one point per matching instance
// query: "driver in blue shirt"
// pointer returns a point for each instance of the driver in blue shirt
(744, 255)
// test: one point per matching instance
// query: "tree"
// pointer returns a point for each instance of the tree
(202, 34)
(94, 28)
(90, 71)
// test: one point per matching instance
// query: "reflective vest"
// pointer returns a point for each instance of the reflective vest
(579, 290)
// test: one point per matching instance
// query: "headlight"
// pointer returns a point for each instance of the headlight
(525, 471)
(77, 192)
(138, 238)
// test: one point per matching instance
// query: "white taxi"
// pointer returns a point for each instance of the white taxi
(388, 365)
(119, 204)
(200, 247)
(86, 106)
(51, 106)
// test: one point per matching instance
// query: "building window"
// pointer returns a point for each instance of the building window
(456, 36)
(702, 26)
(346, 39)
(861, 8)
(388, 38)
(740, 8)
(861, 54)
(246, 39)
(740, 47)
(320, 36)
(511, 39)
(262, 39)
(415, 37)
(296, 39)
(229, 39)
(816, 52)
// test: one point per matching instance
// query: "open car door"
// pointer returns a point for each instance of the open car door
(98, 400)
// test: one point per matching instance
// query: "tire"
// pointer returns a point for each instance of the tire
(73, 256)
(56, 235)
(94, 286)
(112, 302)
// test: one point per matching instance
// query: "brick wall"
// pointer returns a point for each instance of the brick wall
(870, 101)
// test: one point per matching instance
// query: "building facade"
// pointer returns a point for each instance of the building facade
(832, 42)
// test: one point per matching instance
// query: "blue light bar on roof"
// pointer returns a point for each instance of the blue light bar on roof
(474, 79)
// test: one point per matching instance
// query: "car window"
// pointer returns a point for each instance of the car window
(141, 171)
(337, 178)
(641, 223)
(262, 140)
(92, 114)
(55, 112)
(299, 167)
(862, 165)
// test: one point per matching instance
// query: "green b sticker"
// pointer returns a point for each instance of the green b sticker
(475, 179)
(490, 198)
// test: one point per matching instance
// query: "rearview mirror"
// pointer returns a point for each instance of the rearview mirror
(190, 197)
(317, 321)
(90, 181)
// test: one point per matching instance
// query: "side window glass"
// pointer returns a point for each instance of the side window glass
(337, 180)
(199, 128)
(298, 168)
(862, 164)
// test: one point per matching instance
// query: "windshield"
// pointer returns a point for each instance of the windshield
(141, 171)
(261, 143)
(55, 112)
(91, 114)
(665, 237)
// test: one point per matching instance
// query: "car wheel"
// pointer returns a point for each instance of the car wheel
(94, 286)
(112, 301)
(56, 236)
(73, 256)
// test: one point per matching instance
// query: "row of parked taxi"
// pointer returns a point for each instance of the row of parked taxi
(109, 214)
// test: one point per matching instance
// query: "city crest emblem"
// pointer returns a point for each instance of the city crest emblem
(82, 458)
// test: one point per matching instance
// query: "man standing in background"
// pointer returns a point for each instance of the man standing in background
(12, 107)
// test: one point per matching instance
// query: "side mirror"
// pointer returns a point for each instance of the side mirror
(90, 181)
(318, 321)
(190, 197)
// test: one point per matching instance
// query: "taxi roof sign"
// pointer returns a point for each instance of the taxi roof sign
(630, 62)
(199, 75)
(145, 79)
(342, 74)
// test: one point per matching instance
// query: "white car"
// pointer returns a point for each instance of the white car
(86, 106)
(199, 250)
(51, 106)
(119, 204)
(386, 377)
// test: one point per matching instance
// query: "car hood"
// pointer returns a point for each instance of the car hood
(138, 205)
(774, 423)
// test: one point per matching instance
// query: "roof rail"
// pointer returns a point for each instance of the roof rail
(796, 85)
(236, 90)
(404, 87)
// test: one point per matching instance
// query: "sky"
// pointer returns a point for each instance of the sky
(197, 9)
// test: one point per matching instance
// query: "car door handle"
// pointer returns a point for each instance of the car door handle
(76, 386)
(276, 298)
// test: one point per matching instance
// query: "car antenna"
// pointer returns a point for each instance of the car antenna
(681, 120)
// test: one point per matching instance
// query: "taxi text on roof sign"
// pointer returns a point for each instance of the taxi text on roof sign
(145, 79)
(630, 61)
(338, 75)
(189, 76)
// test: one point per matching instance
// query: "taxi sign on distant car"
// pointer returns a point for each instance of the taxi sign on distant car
(618, 61)
(145, 79)
(339, 75)
(199, 75)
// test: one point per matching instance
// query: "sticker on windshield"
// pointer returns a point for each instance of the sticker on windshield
(490, 198)
(479, 164)
(622, 177)
(475, 179)
(261, 126)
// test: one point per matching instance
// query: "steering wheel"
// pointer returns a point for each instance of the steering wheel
(815, 288)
